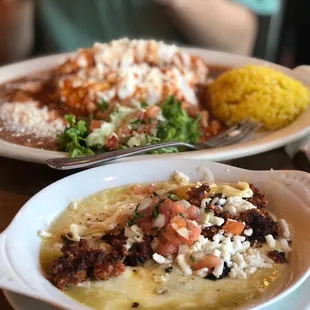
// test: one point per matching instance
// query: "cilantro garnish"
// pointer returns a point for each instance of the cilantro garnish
(72, 140)
(144, 105)
(135, 216)
(181, 214)
(136, 122)
(192, 258)
(178, 126)
(103, 105)
(155, 213)
(173, 197)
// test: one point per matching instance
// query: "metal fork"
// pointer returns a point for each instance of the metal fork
(231, 136)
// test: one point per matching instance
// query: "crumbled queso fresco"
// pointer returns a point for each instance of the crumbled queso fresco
(208, 230)
(234, 251)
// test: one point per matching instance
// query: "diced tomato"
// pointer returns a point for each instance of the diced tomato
(170, 208)
(152, 188)
(124, 129)
(140, 115)
(138, 190)
(145, 190)
(172, 237)
(169, 228)
(210, 261)
(166, 249)
(112, 143)
(234, 227)
(179, 221)
(166, 208)
(146, 226)
(194, 231)
(152, 111)
(193, 213)
(95, 124)
(186, 241)
(177, 208)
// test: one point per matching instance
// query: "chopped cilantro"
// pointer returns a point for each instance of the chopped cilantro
(135, 216)
(192, 258)
(173, 197)
(144, 105)
(155, 213)
(181, 214)
(72, 140)
(103, 106)
(177, 126)
(136, 122)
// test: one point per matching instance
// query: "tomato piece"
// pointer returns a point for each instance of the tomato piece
(172, 237)
(138, 190)
(193, 213)
(210, 261)
(179, 221)
(194, 231)
(166, 249)
(166, 208)
(186, 241)
(234, 227)
(152, 111)
(151, 188)
(146, 226)
(112, 143)
(177, 208)
(95, 124)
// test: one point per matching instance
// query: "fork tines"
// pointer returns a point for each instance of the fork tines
(234, 134)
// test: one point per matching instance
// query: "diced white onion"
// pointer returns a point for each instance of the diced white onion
(185, 203)
(159, 222)
(183, 232)
(145, 203)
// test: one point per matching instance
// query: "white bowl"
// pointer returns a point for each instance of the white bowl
(288, 192)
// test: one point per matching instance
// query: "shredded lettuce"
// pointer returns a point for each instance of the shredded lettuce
(175, 125)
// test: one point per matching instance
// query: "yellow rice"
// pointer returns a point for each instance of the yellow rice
(257, 93)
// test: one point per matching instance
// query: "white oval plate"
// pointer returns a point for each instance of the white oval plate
(271, 140)
(288, 192)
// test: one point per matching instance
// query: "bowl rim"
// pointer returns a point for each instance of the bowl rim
(302, 178)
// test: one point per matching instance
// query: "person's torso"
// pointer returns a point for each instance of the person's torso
(66, 25)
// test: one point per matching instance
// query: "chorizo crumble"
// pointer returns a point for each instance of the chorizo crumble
(193, 228)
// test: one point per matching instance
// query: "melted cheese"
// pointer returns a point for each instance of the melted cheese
(241, 189)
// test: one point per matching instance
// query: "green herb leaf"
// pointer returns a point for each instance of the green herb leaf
(103, 106)
(192, 258)
(155, 213)
(178, 126)
(135, 216)
(173, 197)
(70, 119)
(181, 214)
(144, 105)
(72, 140)
(136, 122)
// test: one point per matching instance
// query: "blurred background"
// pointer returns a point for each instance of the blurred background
(274, 30)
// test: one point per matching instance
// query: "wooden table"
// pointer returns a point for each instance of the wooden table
(20, 180)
